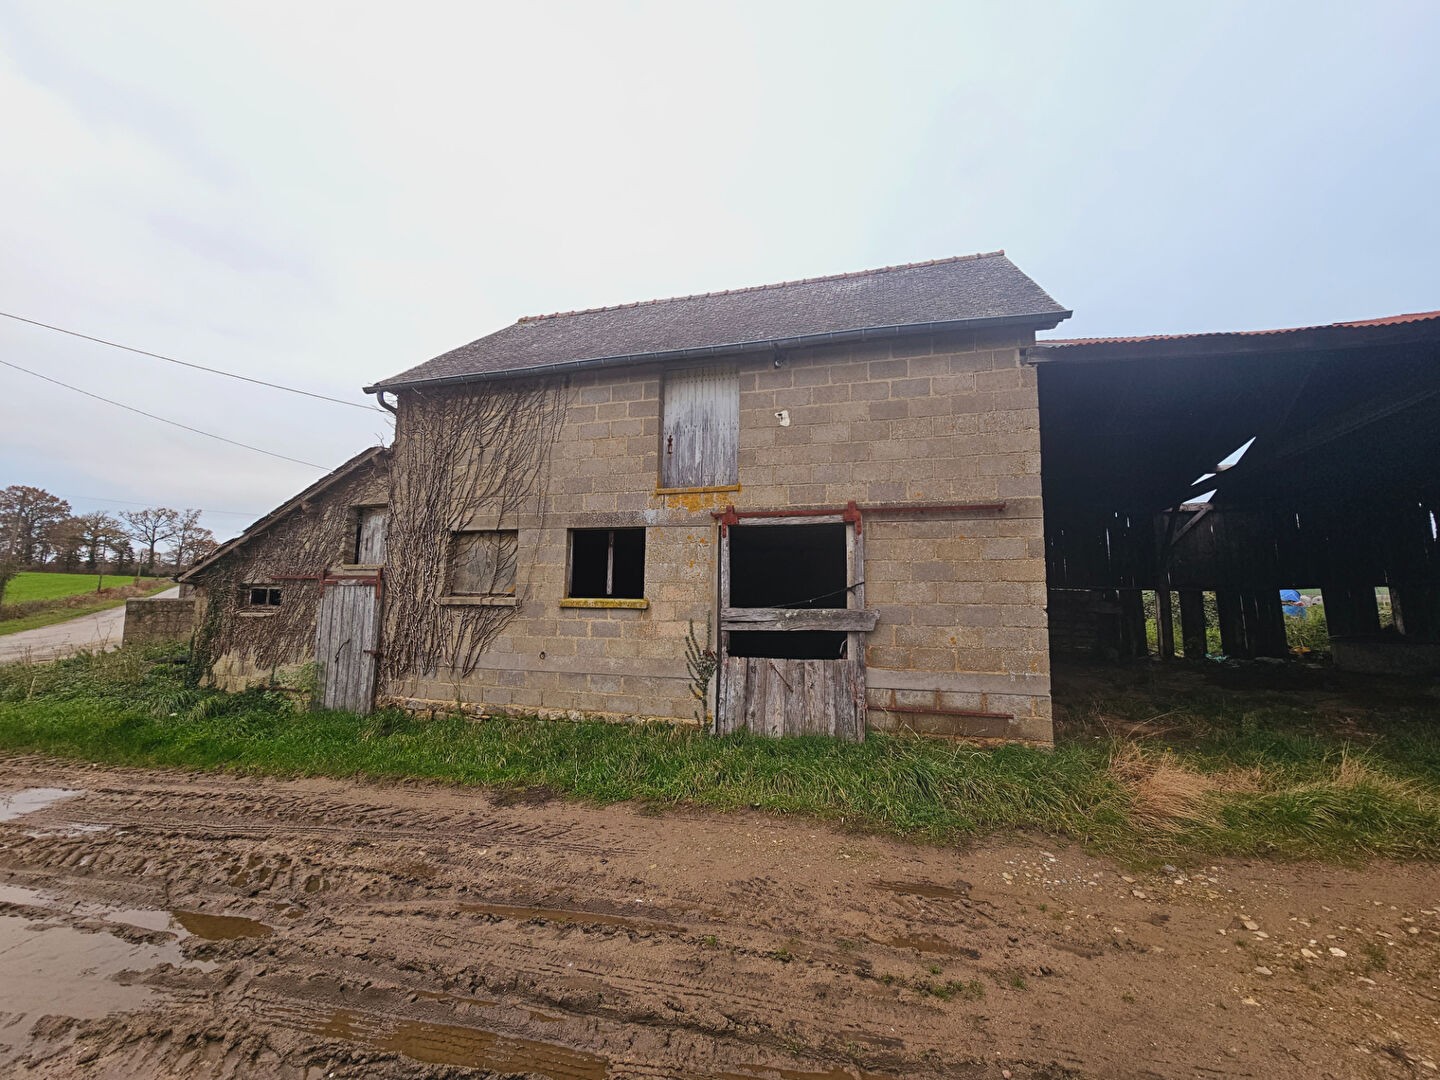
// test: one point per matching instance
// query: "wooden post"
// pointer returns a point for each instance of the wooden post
(1269, 638)
(1132, 624)
(1165, 624)
(1192, 624)
(1232, 623)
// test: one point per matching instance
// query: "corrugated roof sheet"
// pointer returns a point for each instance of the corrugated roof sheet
(1388, 320)
(967, 288)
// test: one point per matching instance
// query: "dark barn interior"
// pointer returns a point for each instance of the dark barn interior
(1338, 490)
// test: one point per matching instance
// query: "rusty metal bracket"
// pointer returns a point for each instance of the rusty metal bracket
(852, 513)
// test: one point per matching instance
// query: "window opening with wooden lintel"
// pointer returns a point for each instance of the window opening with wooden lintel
(607, 564)
(262, 596)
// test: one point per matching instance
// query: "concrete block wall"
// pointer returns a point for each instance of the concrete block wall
(961, 598)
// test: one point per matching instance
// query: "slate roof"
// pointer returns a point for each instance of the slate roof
(985, 288)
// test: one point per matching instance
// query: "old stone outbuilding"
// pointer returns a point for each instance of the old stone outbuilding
(833, 485)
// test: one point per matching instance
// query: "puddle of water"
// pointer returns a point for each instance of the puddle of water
(925, 889)
(197, 923)
(57, 970)
(562, 915)
(18, 803)
(927, 943)
(144, 918)
(469, 1047)
(221, 927)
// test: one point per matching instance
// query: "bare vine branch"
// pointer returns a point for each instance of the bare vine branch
(483, 449)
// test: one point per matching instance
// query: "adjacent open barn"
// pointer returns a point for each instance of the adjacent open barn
(1239, 465)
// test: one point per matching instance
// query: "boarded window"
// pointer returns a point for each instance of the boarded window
(483, 563)
(607, 564)
(699, 437)
(370, 524)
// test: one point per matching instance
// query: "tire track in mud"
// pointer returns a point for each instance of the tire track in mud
(202, 814)
(424, 933)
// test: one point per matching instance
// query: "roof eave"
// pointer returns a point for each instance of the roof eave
(1045, 320)
(261, 524)
(1190, 346)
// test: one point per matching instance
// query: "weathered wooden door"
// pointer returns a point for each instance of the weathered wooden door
(793, 697)
(780, 695)
(346, 642)
(700, 429)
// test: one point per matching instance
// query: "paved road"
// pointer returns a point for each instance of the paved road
(102, 630)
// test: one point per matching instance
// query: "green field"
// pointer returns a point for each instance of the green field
(45, 586)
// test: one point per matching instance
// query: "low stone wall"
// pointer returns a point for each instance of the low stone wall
(159, 620)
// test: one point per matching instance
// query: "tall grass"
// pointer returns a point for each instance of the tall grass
(1225, 792)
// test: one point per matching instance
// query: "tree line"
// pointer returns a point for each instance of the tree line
(38, 531)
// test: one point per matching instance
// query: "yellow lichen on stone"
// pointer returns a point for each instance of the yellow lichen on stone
(696, 501)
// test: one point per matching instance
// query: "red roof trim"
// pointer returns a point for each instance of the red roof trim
(1388, 320)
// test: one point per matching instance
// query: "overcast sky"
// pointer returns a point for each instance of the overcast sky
(326, 194)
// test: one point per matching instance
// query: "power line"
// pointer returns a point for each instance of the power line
(187, 363)
(163, 420)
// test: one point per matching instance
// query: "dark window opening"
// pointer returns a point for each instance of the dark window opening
(607, 564)
(789, 644)
(261, 596)
(788, 566)
(483, 563)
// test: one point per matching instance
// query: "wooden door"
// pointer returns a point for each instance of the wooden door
(700, 429)
(346, 639)
(793, 697)
(775, 696)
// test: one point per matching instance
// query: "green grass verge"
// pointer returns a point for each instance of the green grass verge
(1232, 792)
(40, 585)
(68, 611)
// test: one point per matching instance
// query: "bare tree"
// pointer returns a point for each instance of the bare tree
(192, 541)
(150, 528)
(26, 513)
(97, 535)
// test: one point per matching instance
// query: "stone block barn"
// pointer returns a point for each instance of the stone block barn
(810, 507)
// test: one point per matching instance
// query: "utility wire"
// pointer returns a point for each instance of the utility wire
(163, 420)
(187, 363)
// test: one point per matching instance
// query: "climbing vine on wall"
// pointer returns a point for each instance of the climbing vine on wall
(479, 450)
(292, 554)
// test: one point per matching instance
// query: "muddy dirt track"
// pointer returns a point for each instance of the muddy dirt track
(168, 925)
